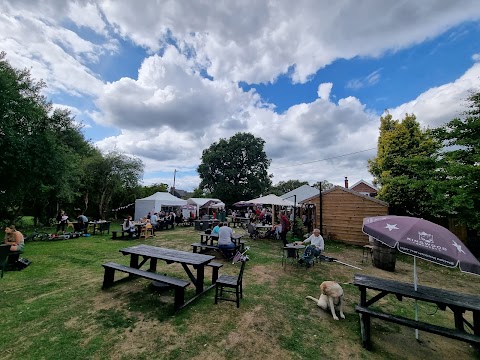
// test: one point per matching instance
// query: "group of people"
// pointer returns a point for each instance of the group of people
(62, 221)
(161, 220)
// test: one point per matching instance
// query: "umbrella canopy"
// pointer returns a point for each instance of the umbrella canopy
(242, 203)
(271, 200)
(214, 204)
(423, 239)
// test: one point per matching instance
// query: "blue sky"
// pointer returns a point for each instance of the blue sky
(163, 81)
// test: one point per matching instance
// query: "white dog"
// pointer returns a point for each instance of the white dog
(331, 296)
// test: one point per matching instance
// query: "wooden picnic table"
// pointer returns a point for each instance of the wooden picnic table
(239, 221)
(459, 303)
(154, 253)
(208, 239)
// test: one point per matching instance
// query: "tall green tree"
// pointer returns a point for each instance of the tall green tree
(285, 186)
(147, 190)
(235, 169)
(405, 166)
(459, 163)
(39, 147)
(107, 175)
(324, 185)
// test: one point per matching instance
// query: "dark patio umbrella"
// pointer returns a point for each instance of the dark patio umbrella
(423, 239)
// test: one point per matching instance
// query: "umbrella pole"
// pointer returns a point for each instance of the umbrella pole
(415, 287)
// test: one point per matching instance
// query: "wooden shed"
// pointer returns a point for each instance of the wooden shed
(343, 211)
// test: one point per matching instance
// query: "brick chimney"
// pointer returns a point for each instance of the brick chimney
(346, 182)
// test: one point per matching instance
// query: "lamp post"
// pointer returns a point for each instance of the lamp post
(320, 209)
(294, 226)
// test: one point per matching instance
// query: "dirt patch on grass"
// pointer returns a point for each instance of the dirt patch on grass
(139, 339)
(252, 338)
(262, 274)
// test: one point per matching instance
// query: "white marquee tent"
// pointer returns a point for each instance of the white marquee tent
(199, 202)
(155, 203)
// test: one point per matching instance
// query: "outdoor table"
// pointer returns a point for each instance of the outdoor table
(138, 228)
(290, 251)
(93, 224)
(239, 221)
(263, 228)
(208, 239)
(153, 253)
(459, 303)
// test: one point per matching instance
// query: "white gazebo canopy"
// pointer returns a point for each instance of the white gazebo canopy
(199, 202)
(154, 203)
(271, 200)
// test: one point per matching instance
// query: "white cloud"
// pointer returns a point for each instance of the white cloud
(440, 104)
(170, 113)
(165, 122)
(369, 80)
(476, 57)
(324, 90)
(54, 53)
(256, 41)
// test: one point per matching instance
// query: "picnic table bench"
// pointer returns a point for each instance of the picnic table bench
(125, 234)
(207, 242)
(459, 303)
(141, 254)
(178, 284)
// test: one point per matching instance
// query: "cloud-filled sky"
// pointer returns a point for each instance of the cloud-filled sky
(164, 80)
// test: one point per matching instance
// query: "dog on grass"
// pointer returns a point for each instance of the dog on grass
(331, 297)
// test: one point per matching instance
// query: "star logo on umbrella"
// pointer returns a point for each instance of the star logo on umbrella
(391, 227)
(458, 246)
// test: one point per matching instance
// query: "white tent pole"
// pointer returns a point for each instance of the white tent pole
(415, 287)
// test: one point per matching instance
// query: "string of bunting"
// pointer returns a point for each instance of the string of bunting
(123, 207)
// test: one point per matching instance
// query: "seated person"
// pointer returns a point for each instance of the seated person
(274, 232)
(225, 243)
(316, 240)
(216, 229)
(14, 238)
(128, 226)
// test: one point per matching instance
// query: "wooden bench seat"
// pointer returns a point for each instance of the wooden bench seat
(201, 246)
(434, 329)
(215, 267)
(125, 234)
(178, 284)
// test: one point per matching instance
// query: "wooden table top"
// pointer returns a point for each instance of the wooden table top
(168, 254)
(425, 293)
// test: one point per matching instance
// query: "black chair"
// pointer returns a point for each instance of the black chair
(230, 282)
(252, 231)
(103, 226)
(4, 251)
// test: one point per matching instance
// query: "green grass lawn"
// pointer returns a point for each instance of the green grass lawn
(56, 309)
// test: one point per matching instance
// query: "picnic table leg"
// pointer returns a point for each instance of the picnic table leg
(214, 275)
(134, 261)
(108, 278)
(364, 320)
(365, 330)
(476, 323)
(200, 279)
(153, 265)
(179, 298)
(458, 316)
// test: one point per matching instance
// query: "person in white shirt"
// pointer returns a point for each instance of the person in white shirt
(316, 240)
(225, 243)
